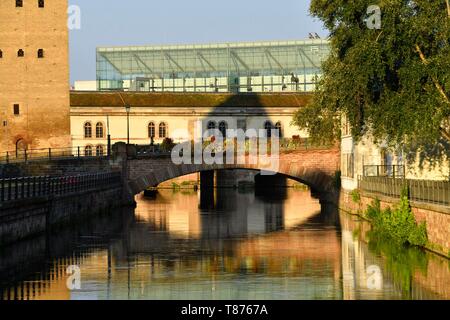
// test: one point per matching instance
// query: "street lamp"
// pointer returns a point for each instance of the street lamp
(128, 109)
(109, 137)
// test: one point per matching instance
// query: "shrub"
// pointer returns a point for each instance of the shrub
(167, 145)
(397, 224)
(356, 196)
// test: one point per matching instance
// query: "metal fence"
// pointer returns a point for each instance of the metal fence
(21, 156)
(34, 187)
(427, 191)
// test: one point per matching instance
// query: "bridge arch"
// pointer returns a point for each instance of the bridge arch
(318, 171)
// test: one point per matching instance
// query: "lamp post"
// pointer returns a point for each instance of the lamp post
(109, 137)
(128, 109)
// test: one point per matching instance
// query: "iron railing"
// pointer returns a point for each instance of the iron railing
(20, 156)
(42, 186)
(384, 171)
(426, 191)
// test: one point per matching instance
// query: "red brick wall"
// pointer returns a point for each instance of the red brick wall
(437, 218)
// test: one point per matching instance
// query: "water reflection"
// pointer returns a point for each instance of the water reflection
(244, 247)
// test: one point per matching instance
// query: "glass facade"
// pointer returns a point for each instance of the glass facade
(231, 67)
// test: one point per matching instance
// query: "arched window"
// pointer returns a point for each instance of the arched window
(87, 130)
(99, 151)
(99, 130)
(211, 125)
(268, 127)
(223, 126)
(88, 151)
(151, 130)
(20, 53)
(279, 129)
(163, 130)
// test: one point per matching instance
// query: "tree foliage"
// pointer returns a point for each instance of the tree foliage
(393, 82)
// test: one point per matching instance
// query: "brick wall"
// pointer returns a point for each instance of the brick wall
(437, 218)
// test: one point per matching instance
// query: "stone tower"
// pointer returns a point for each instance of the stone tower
(34, 75)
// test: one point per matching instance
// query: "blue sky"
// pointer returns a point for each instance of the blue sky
(139, 22)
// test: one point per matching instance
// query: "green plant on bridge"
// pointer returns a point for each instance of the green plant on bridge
(167, 145)
(398, 224)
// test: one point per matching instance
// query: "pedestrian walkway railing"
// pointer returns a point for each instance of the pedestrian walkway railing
(21, 156)
(426, 191)
(34, 187)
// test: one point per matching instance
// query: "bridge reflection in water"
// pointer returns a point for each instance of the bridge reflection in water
(248, 247)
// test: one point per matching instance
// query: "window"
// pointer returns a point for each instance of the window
(1, 54)
(211, 125)
(346, 131)
(21, 53)
(41, 3)
(88, 151)
(99, 151)
(348, 166)
(19, 3)
(151, 130)
(162, 130)
(268, 127)
(16, 110)
(99, 130)
(87, 130)
(40, 53)
(223, 126)
(279, 129)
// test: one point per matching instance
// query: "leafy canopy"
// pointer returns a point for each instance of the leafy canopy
(393, 82)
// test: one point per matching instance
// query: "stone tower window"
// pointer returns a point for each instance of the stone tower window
(20, 53)
(41, 3)
(40, 53)
(1, 54)
(16, 110)
(19, 3)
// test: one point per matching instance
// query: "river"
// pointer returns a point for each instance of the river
(229, 244)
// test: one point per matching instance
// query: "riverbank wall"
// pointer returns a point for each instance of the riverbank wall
(436, 217)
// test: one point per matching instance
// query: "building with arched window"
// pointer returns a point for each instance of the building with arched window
(279, 129)
(151, 130)
(99, 151)
(88, 130)
(88, 151)
(268, 126)
(99, 131)
(175, 116)
(163, 130)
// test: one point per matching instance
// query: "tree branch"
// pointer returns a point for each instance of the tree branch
(435, 81)
(445, 133)
(448, 8)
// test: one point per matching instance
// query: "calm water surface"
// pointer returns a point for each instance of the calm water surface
(242, 246)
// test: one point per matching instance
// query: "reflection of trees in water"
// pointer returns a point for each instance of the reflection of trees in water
(402, 262)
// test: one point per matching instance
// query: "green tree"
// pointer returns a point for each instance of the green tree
(392, 82)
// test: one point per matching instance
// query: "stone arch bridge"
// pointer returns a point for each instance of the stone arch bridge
(314, 168)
